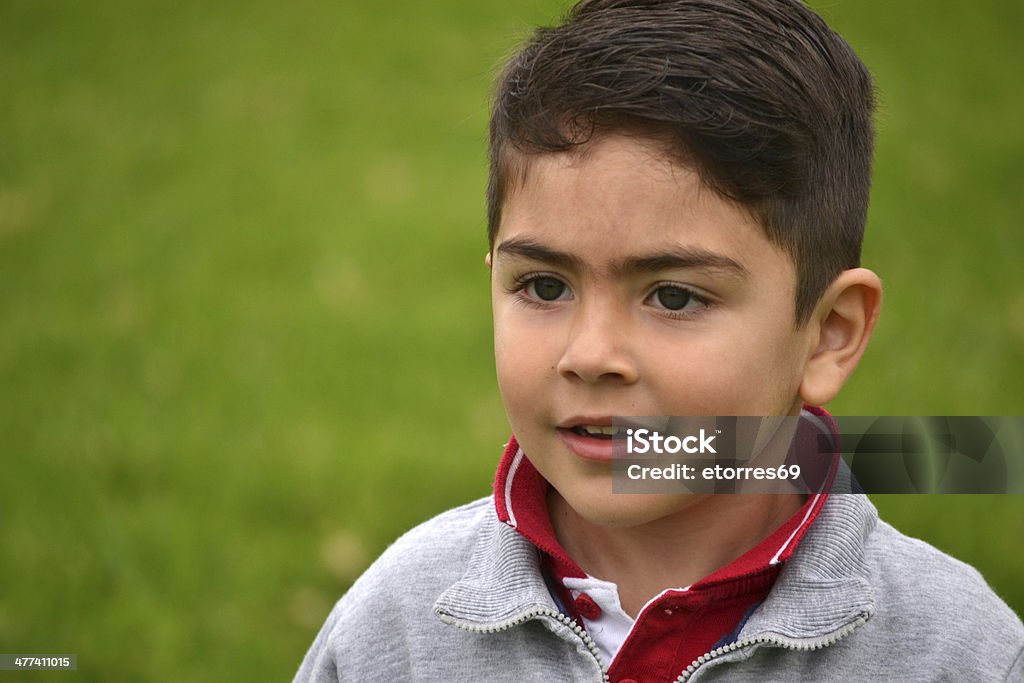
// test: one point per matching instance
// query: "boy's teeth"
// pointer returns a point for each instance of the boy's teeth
(594, 430)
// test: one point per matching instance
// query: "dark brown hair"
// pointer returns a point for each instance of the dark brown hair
(770, 106)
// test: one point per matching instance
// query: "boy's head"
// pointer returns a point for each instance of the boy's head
(761, 98)
(677, 196)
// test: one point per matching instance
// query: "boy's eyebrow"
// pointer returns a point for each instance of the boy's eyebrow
(529, 249)
(682, 258)
(673, 258)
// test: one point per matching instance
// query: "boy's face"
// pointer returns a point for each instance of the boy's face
(622, 286)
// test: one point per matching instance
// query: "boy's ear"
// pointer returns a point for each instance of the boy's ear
(487, 260)
(842, 321)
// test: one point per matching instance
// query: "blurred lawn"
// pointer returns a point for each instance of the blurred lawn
(244, 321)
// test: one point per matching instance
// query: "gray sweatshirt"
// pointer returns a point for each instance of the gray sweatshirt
(462, 598)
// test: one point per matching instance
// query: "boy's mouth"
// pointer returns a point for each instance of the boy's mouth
(593, 438)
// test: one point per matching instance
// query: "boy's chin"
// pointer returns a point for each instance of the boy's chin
(627, 510)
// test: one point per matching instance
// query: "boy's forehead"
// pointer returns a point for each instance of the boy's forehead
(619, 153)
(628, 202)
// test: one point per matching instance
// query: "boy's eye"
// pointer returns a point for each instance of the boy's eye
(673, 298)
(678, 299)
(546, 288)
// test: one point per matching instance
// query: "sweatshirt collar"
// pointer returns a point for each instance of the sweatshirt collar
(824, 588)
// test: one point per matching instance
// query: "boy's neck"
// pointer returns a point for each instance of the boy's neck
(673, 551)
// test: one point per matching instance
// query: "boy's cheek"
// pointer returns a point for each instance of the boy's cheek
(519, 370)
(520, 340)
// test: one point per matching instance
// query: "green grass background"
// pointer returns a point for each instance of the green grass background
(244, 320)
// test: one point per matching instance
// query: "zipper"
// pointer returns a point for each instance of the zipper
(817, 644)
(542, 612)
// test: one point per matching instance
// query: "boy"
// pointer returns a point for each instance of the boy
(677, 198)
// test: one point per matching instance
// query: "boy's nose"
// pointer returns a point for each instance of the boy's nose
(597, 350)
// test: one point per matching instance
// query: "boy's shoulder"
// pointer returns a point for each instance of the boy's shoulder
(422, 609)
(437, 539)
(907, 606)
(465, 560)
(428, 557)
(923, 586)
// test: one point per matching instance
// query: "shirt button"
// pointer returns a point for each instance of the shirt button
(586, 607)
